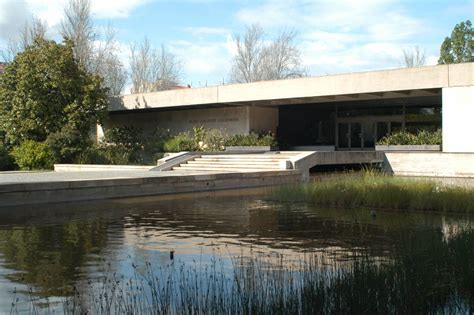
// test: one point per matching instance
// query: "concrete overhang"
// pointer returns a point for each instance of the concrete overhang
(396, 83)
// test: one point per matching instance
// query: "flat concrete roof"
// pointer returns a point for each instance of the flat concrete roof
(396, 83)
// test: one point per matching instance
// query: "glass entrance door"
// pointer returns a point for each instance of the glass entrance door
(368, 135)
(356, 135)
(343, 136)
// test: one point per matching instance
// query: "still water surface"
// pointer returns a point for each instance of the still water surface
(45, 248)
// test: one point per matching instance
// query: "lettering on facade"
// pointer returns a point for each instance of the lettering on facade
(212, 120)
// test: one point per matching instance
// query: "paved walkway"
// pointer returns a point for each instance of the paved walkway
(35, 177)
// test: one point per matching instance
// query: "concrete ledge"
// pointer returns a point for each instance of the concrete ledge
(170, 156)
(171, 161)
(14, 194)
(98, 167)
(432, 164)
(423, 147)
(314, 148)
(250, 149)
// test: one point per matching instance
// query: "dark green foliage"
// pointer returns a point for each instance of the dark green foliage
(183, 141)
(127, 136)
(120, 146)
(381, 191)
(408, 138)
(202, 139)
(92, 155)
(252, 139)
(123, 145)
(33, 155)
(45, 94)
(460, 46)
(129, 145)
(67, 144)
(6, 161)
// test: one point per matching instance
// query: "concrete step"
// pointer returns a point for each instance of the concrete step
(230, 162)
(179, 168)
(245, 157)
(242, 160)
(230, 166)
(237, 162)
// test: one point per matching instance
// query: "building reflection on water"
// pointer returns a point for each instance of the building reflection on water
(48, 247)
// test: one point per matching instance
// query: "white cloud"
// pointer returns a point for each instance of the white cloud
(345, 35)
(14, 13)
(206, 61)
(203, 30)
(12, 16)
(108, 9)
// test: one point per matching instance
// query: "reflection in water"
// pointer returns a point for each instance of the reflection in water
(49, 247)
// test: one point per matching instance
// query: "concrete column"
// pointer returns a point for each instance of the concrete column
(458, 119)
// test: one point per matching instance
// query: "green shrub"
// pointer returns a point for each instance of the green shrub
(92, 155)
(127, 136)
(183, 141)
(33, 155)
(423, 137)
(155, 142)
(67, 144)
(252, 139)
(210, 140)
(6, 161)
(123, 145)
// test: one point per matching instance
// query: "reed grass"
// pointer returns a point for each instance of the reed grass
(377, 190)
(427, 274)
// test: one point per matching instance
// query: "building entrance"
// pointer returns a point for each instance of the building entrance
(362, 133)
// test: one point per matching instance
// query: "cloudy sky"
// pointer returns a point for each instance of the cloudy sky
(334, 36)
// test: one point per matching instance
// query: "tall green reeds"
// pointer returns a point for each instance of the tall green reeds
(427, 274)
(376, 190)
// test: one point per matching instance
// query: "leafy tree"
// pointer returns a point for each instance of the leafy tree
(460, 46)
(44, 91)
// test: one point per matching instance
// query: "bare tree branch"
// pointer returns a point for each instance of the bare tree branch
(414, 58)
(78, 27)
(153, 69)
(106, 63)
(30, 31)
(97, 56)
(258, 59)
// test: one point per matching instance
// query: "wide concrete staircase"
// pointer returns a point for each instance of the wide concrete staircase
(239, 162)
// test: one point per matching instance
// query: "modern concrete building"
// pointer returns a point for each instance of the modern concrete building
(336, 112)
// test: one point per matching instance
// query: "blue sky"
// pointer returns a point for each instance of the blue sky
(333, 36)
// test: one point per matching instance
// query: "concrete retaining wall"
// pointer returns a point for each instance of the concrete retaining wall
(423, 147)
(61, 191)
(98, 168)
(429, 164)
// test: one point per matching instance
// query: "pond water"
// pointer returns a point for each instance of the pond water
(45, 248)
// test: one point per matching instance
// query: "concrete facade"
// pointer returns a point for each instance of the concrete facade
(241, 108)
(458, 116)
(340, 87)
(230, 120)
